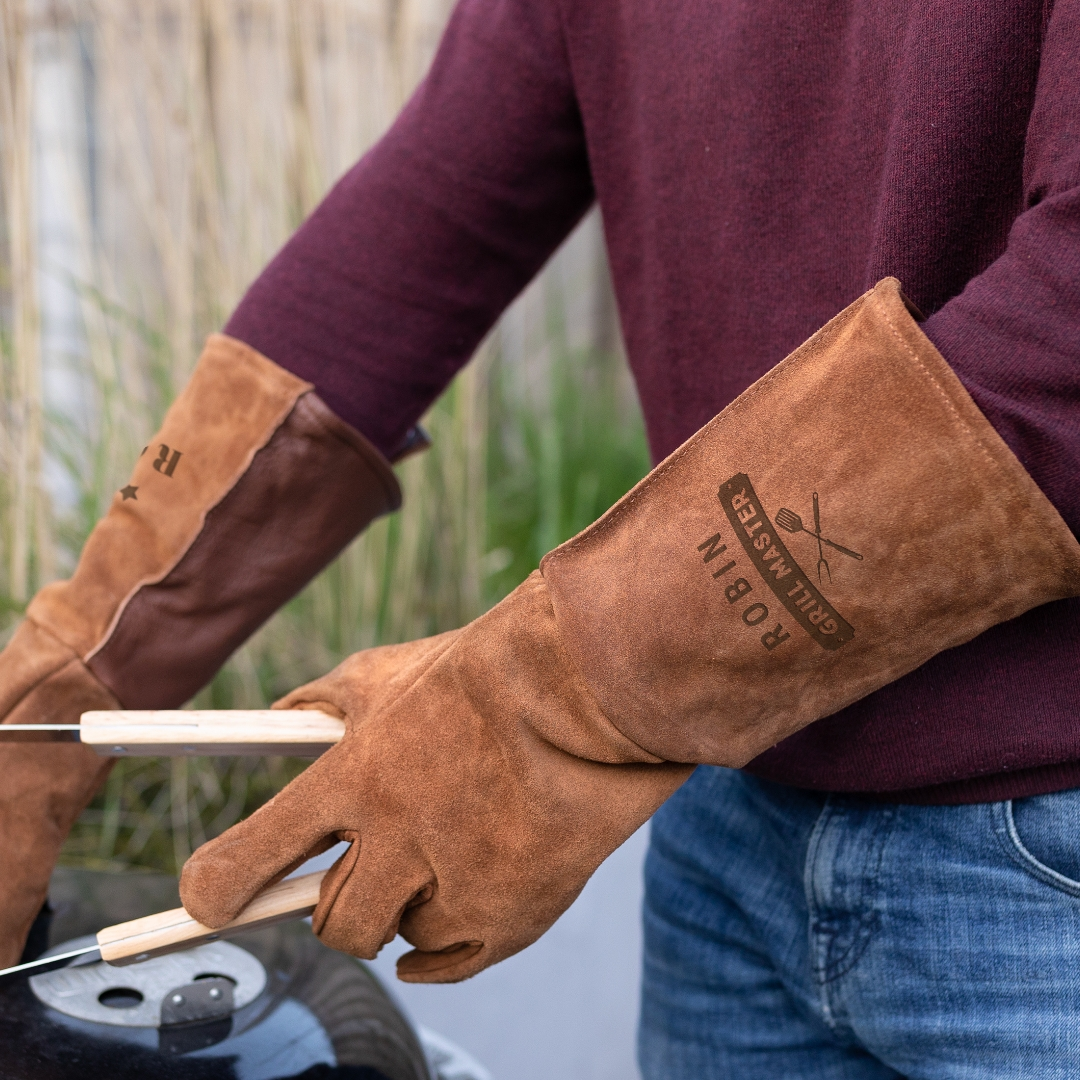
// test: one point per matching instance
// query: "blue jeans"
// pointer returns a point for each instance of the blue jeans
(790, 934)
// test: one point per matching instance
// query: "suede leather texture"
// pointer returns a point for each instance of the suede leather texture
(44, 786)
(698, 621)
(480, 787)
(304, 496)
(486, 773)
(249, 488)
(233, 404)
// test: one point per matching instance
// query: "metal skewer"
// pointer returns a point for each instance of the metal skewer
(191, 732)
(50, 963)
(50, 733)
(173, 931)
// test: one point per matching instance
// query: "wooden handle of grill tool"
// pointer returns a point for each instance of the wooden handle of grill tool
(171, 931)
(196, 732)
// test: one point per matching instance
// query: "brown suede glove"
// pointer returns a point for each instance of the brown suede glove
(479, 782)
(251, 486)
(485, 774)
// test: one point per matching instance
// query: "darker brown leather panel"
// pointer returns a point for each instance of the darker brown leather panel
(307, 493)
(234, 402)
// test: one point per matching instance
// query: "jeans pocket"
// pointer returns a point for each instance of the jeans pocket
(1042, 834)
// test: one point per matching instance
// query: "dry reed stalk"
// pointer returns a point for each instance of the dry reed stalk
(23, 390)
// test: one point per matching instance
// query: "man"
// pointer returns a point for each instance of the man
(854, 580)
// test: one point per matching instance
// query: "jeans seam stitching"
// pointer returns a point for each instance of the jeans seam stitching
(868, 917)
(819, 968)
(1009, 837)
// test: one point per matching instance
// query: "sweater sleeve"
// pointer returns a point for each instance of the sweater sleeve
(387, 289)
(1013, 334)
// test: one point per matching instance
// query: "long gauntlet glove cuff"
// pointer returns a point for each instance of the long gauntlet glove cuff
(847, 518)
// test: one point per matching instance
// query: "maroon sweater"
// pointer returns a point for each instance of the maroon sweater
(758, 164)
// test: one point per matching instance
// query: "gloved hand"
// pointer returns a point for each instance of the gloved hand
(250, 487)
(486, 773)
(476, 772)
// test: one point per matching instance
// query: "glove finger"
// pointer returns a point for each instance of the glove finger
(363, 682)
(449, 945)
(365, 894)
(452, 964)
(223, 875)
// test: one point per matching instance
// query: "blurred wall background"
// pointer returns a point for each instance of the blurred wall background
(154, 154)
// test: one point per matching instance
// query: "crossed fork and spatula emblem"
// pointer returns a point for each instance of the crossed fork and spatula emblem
(790, 522)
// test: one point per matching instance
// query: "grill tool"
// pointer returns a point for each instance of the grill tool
(821, 561)
(191, 732)
(790, 522)
(173, 931)
(181, 733)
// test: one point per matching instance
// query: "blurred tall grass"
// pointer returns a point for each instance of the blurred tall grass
(153, 156)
